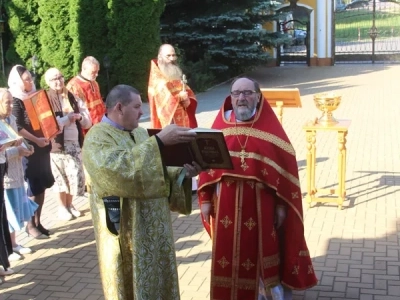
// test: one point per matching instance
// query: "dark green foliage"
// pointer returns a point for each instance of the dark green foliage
(62, 33)
(92, 35)
(58, 21)
(134, 29)
(228, 34)
(197, 72)
(23, 22)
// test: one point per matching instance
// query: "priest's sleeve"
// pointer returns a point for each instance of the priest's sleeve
(121, 168)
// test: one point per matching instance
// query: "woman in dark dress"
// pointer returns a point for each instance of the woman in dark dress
(38, 173)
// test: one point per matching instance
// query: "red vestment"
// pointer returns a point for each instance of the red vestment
(246, 245)
(164, 101)
(89, 92)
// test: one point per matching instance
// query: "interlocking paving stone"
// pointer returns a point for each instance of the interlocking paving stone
(355, 250)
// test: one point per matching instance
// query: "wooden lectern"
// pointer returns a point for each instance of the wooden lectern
(280, 98)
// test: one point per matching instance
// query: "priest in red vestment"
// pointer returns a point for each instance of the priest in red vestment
(253, 213)
(171, 99)
(85, 87)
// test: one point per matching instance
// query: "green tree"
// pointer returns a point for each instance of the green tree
(92, 32)
(62, 33)
(23, 21)
(134, 33)
(58, 36)
(225, 35)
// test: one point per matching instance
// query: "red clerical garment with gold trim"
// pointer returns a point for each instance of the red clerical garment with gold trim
(246, 245)
(89, 92)
(164, 101)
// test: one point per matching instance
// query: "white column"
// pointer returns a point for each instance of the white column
(329, 24)
(321, 28)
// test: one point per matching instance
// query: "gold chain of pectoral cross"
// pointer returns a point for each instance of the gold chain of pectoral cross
(243, 154)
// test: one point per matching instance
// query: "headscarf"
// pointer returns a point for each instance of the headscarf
(16, 85)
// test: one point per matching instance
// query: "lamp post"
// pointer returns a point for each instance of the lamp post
(107, 65)
(35, 63)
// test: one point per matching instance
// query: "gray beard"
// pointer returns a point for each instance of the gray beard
(170, 71)
(243, 115)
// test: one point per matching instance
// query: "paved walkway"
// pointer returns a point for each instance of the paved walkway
(355, 250)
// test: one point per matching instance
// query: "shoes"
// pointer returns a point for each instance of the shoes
(14, 257)
(5, 273)
(64, 214)
(43, 230)
(76, 213)
(22, 250)
(35, 233)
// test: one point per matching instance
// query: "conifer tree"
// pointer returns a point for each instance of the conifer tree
(134, 38)
(57, 33)
(227, 33)
(23, 22)
(92, 31)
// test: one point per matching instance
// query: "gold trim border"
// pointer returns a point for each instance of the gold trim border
(262, 135)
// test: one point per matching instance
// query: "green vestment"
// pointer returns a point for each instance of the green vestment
(140, 263)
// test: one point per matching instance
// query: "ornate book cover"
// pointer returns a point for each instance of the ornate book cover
(7, 135)
(42, 118)
(209, 150)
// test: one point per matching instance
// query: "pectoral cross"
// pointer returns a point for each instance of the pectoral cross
(243, 154)
(184, 82)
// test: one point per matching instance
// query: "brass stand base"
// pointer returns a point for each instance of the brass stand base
(327, 119)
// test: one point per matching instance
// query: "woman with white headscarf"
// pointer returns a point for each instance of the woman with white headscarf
(38, 173)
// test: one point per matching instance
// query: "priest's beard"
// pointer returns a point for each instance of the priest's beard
(244, 110)
(171, 70)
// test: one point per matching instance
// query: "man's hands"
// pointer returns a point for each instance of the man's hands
(206, 209)
(184, 99)
(192, 170)
(173, 134)
(280, 215)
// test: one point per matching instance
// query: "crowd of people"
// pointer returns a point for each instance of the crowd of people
(35, 163)
(253, 213)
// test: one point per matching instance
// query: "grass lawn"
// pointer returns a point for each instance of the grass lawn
(349, 22)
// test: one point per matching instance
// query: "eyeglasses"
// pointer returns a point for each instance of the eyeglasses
(59, 78)
(245, 93)
(171, 55)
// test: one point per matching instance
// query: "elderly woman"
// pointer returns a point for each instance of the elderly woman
(19, 207)
(66, 157)
(38, 173)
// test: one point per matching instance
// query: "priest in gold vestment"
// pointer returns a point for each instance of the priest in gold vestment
(121, 160)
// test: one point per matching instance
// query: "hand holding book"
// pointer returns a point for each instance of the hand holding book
(173, 134)
(192, 170)
(207, 147)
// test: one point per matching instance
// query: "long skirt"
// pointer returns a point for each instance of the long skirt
(19, 208)
(38, 173)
